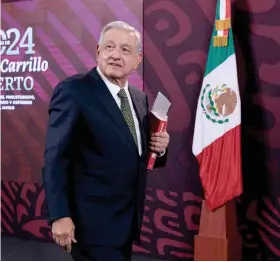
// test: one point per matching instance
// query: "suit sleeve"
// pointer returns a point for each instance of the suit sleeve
(160, 160)
(63, 114)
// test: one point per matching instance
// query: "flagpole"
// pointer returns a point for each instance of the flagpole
(218, 238)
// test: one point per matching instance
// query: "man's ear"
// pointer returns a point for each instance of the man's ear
(139, 59)
(97, 50)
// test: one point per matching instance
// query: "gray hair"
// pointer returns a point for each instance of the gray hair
(124, 26)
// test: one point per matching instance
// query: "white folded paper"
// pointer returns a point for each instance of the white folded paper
(161, 106)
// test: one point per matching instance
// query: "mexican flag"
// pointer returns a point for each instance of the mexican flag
(216, 142)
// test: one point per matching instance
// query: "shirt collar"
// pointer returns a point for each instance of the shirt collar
(114, 89)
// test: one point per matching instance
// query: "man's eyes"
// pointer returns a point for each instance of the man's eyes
(125, 50)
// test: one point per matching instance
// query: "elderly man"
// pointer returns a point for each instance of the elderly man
(96, 153)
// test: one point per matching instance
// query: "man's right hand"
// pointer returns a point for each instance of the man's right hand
(63, 231)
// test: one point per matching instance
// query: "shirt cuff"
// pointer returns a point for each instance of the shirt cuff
(161, 154)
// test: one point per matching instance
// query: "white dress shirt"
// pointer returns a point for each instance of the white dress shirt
(114, 89)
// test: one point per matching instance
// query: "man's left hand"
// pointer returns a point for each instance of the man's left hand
(159, 142)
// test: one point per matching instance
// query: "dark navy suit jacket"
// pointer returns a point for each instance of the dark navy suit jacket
(93, 172)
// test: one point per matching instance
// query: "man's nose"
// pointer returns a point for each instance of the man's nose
(116, 54)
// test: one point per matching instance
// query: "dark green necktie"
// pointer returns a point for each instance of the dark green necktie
(127, 113)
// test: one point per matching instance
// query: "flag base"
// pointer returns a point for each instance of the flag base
(218, 237)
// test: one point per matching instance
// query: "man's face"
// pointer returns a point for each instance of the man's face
(117, 54)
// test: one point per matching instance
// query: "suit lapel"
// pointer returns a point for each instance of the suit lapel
(109, 104)
(140, 110)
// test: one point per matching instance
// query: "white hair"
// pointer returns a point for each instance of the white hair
(124, 26)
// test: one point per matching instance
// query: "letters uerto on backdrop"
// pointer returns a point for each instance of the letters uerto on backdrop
(19, 64)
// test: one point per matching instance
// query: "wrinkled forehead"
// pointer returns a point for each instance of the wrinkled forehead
(120, 37)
